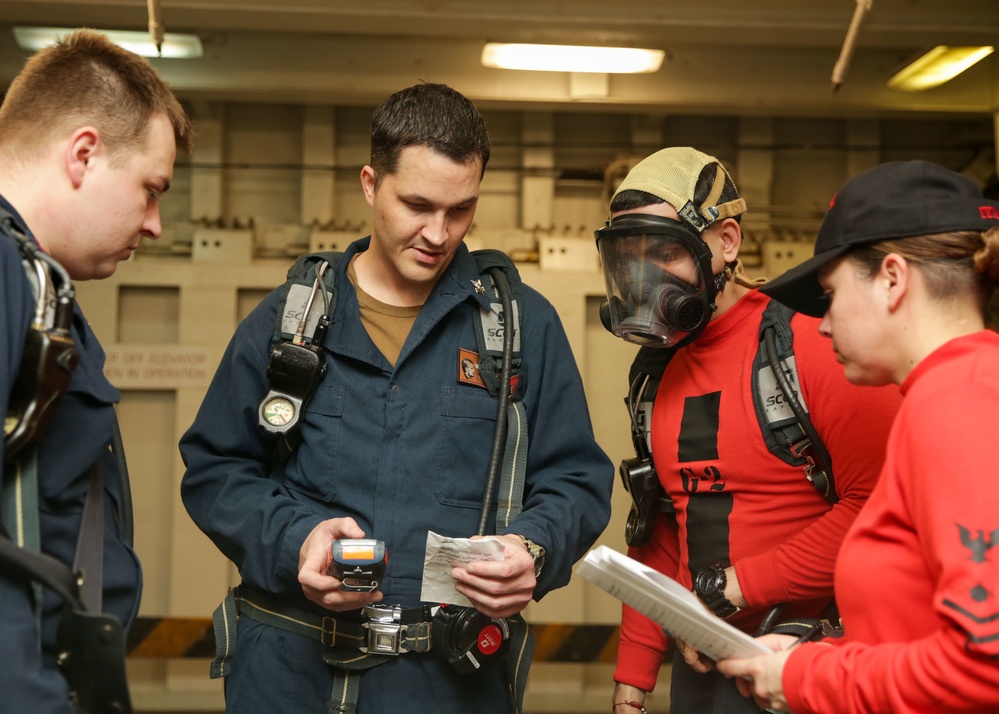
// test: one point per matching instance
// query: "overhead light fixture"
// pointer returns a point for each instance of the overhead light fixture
(939, 65)
(175, 46)
(571, 58)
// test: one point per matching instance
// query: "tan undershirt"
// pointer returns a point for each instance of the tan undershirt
(388, 326)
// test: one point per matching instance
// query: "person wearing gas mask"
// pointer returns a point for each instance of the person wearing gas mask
(88, 138)
(396, 441)
(749, 533)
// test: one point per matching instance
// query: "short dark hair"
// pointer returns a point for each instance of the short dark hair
(431, 115)
(87, 79)
(632, 199)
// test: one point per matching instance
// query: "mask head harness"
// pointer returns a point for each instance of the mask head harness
(660, 286)
(657, 271)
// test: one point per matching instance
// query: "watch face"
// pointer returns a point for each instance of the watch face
(278, 411)
(708, 582)
(709, 586)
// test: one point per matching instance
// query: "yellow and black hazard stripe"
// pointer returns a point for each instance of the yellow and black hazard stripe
(179, 637)
(575, 643)
(171, 637)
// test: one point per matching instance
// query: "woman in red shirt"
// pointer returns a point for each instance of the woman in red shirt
(904, 264)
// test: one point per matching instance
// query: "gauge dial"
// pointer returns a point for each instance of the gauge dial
(279, 411)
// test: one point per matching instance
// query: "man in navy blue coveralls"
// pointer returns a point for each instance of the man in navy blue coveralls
(88, 138)
(396, 441)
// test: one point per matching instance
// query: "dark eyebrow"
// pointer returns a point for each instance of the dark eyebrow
(416, 198)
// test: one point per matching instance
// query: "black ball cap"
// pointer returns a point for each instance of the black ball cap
(900, 199)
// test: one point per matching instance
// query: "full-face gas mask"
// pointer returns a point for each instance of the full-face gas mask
(660, 288)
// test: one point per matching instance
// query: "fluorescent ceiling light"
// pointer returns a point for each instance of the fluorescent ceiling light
(571, 58)
(141, 43)
(939, 65)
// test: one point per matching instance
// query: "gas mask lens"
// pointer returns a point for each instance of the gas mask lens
(655, 290)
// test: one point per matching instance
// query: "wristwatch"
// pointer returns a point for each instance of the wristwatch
(536, 552)
(709, 586)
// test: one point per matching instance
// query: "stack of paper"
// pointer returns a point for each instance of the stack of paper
(665, 601)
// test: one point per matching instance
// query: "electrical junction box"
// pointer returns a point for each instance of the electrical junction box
(782, 255)
(565, 254)
(321, 240)
(233, 246)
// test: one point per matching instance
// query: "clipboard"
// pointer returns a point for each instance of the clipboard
(665, 601)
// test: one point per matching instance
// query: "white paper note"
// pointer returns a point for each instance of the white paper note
(443, 554)
(665, 601)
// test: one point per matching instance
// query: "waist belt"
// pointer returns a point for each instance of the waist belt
(386, 630)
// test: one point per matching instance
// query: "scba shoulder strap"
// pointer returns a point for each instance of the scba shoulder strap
(305, 298)
(299, 298)
(491, 325)
(499, 366)
(780, 409)
(308, 298)
(49, 355)
(296, 363)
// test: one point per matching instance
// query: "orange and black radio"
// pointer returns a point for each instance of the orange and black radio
(358, 563)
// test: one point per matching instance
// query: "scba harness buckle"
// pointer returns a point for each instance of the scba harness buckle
(384, 626)
(394, 630)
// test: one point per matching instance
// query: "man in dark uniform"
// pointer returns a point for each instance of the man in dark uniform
(88, 138)
(395, 443)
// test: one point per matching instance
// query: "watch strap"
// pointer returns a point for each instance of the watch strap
(537, 553)
(709, 586)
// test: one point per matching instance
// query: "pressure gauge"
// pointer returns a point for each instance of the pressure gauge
(278, 411)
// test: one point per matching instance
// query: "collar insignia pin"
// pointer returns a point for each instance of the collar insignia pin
(478, 287)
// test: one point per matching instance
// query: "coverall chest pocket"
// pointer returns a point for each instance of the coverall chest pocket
(468, 420)
(313, 471)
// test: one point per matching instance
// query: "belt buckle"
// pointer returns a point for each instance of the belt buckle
(384, 629)
(328, 633)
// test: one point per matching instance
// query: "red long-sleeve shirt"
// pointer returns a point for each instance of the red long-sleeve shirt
(735, 501)
(917, 578)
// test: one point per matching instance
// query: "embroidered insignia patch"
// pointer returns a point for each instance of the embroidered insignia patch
(468, 369)
(980, 544)
(976, 610)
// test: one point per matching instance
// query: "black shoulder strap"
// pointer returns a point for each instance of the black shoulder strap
(780, 406)
(778, 422)
(650, 362)
(308, 297)
(296, 293)
(643, 379)
(487, 258)
(491, 325)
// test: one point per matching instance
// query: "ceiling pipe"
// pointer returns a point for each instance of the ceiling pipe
(843, 63)
(156, 27)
